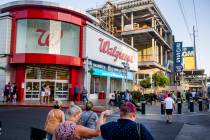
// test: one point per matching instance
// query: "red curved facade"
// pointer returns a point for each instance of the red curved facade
(21, 60)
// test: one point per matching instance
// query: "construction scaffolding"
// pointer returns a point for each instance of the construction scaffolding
(107, 12)
(106, 16)
(140, 24)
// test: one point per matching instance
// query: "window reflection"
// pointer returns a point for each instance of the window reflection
(47, 37)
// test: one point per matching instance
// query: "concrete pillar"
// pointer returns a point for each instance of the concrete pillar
(161, 31)
(108, 87)
(131, 20)
(122, 23)
(153, 49)
(161, 55)
(132, 41)
(137, 78)
(166, 57)
(123, 84)
(158, 53)
(153, 22)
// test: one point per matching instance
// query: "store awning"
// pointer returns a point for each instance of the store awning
(101, 72)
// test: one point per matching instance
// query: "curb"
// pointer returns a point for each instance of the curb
(97, 110)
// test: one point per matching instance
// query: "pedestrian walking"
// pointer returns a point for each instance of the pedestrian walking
(88, 117)
(76, 92)
(205, 103)
(125, 128)
(13, 93)
(169, 106)
(7, 90)
(127, 95)
(70, 130)
(54, 118)
(193, 94)
(84, 95)
(113, 99)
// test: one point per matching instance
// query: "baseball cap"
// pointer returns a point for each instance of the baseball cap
(128, 107)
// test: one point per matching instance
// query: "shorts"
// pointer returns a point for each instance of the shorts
(42, 94)
(169, 111)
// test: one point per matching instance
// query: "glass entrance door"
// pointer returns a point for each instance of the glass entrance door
(56, 77)
(61, 90)
(32, 90)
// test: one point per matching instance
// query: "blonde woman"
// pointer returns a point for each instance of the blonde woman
(69, 130)
(54, 118)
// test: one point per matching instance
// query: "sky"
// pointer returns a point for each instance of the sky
(172, 13)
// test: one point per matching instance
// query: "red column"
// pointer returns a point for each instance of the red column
(76, 78)
(20, 79)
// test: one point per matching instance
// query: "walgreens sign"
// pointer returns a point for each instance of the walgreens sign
(114, 51)
(104, 48)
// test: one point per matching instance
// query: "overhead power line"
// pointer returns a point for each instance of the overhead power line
(195, 14)
(185, 20)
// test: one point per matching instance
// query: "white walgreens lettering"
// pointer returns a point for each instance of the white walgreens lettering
(112, 51)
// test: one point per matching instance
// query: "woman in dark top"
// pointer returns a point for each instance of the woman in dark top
(126, 127)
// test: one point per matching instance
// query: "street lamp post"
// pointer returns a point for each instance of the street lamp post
(86, 72)
(126, 68)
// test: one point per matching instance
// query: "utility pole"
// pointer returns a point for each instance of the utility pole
(194, 47)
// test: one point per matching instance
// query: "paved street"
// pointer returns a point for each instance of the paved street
(188, 126)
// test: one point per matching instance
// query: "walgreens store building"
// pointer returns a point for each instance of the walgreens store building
(47, 43)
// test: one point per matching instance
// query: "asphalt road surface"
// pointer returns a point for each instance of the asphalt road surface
(16, 124)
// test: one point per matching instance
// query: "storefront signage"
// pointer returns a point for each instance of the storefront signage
(103, 48)
(99, 66)
(100, 72)
(45, 36)
(178, 56)
(113, 51)
(188, 58)
(188, 52)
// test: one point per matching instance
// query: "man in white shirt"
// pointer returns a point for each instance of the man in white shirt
(193, 94)
(169, 106)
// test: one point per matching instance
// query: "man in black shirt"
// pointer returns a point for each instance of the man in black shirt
(126, 128)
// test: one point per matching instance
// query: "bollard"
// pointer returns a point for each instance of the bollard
(200, 104)
(179, 106)
(191, 106)
(143, 107)
(0, 128)
(162, 108)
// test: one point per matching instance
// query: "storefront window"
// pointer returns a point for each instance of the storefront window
(98, 84)
(32, 73)
(62, 75)
(47, 73)
(47, 37)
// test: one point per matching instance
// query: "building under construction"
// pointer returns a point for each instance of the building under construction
(140, 24)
